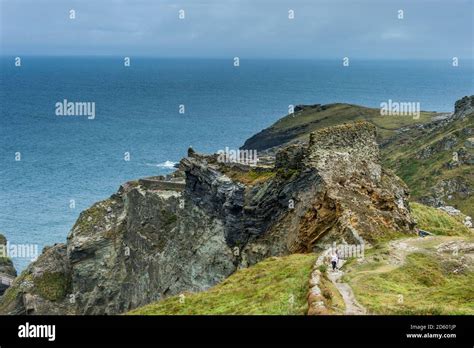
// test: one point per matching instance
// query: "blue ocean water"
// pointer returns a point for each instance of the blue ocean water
(137, 111)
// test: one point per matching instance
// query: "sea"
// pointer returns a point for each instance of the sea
(147, 114)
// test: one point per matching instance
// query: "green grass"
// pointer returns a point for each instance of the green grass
(298, 126)
(423, 285)
(275, 286)
(252, 177)
(438, 221)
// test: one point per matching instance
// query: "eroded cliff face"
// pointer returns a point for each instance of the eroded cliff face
(155, 238)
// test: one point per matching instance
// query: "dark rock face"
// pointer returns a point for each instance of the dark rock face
(149, 241)
(217, 195)
(290, 157)
(110, 262)
(6, 265)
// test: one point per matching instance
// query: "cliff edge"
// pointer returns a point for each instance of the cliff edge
(158, 237)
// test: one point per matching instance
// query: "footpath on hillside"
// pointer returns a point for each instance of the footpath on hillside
(397, 254)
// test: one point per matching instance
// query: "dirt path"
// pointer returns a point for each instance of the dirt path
(352, 306)
(399, 249)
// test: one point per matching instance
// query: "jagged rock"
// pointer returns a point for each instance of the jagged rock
(464, 107)
(444, 188)
(445, 144)
(151, 240)
(290, 157)
(42, 287)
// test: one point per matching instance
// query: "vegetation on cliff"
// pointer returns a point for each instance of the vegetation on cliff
(424, 278)
(277, 285)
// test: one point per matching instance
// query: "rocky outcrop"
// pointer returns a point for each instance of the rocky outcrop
(444, 189)
(341, 193)
(151, 240)
(111, 261)
(464, 107)
(6, 264)
(7, 270)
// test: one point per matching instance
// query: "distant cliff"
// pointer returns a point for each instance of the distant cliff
(158, 237)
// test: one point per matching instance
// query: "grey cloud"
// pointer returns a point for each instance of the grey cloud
(360, 28)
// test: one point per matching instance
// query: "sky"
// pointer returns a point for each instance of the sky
(370, 29)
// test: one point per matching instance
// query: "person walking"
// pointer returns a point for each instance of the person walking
(334, 260)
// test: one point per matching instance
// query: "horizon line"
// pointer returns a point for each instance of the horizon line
(41, 55)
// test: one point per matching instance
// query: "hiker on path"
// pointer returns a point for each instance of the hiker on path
(334, 260)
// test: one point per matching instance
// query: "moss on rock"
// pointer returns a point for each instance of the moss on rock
(52, 285)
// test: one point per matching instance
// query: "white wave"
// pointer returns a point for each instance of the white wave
(166, 164)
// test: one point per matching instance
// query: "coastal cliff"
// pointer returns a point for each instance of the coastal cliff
(158, 237)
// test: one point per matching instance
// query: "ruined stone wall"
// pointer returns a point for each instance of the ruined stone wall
(356, 138)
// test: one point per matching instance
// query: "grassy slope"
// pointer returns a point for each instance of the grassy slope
(249, 178)
(298, 126)
(277, 285)
(341, 113)
(425, 283)
(437, 221)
